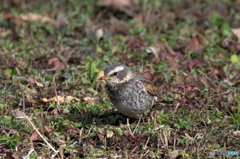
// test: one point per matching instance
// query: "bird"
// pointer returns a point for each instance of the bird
(129, 91)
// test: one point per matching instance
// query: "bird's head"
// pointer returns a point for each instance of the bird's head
(115, 74)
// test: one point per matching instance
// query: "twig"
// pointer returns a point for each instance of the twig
(34, 127)
(28, 155)
(23, 96)
(176, 107)
(146, 153)
(145, 146)
(129, 127)
(169, 49)
(137, 124)
(58, 104)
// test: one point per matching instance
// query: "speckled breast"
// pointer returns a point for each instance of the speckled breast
(131, 98)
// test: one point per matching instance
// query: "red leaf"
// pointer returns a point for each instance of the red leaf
(56, 63)
(34, 136)
(7, 15)
(147, 73)
(196, 43)
(47, 129)
(193, 63)
(135, 44)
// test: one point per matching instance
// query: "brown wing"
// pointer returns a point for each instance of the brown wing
(153, 90)
(149, 86)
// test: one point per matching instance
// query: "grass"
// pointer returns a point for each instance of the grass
(193, 59)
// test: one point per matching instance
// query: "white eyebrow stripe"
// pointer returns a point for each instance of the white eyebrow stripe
(116, 69)
(126, 78)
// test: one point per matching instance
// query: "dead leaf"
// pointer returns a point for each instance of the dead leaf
(174, 154)
(31, 80)
(20, 115)
(233, 108)
(39, 84)
(5, 32)
(30, 94)
(236, 32)
(36, 17)
(117, 3)
(28, 90)
(7, 15)
(193, 63)
(109, 133)
(11, 155)
(47, 129)
(188, 136)
(57, 63)
(34, 136)
(60, 99)
(100, 74)
(89, 99)
(71, 98)
(147, 73)
(62, 20)
(196, 43)
(172, 57)
(100, 33)
(135, 44)
(237, 133)
(199, 136)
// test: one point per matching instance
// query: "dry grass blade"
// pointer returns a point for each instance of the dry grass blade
(34, 127)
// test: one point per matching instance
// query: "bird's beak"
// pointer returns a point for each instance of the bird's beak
(104, 78)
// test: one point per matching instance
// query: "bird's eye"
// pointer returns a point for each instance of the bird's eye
(115, 74)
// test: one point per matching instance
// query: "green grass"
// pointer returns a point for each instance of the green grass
(196, 67)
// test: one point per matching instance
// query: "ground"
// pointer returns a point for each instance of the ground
(51, 53)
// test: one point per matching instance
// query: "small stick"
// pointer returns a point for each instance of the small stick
(129, 127)
(137, 124)
(34, 127)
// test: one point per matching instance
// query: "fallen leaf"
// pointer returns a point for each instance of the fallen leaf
(100, 74)
(11, 155)
(199, 136)
(36, 17)
(34, 136)
(147, 74)
(31, 80)
(20, 115)
(188, 136)
(117, 3)
(233, 108)
(174, 154)
(5, 32)
(172, 57)
(28, 90)
(152, 50)
(57, 63)
(60, 99)
(89, 99)
(193, 63)
(135, 44)
(45, 100)
(109, 133)
(71, 98)
(237, 133)
(100, 33)
(62, 20)
(7, 15)
(196, 43)
(236, 32)
(47, 129)
(39, 84)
